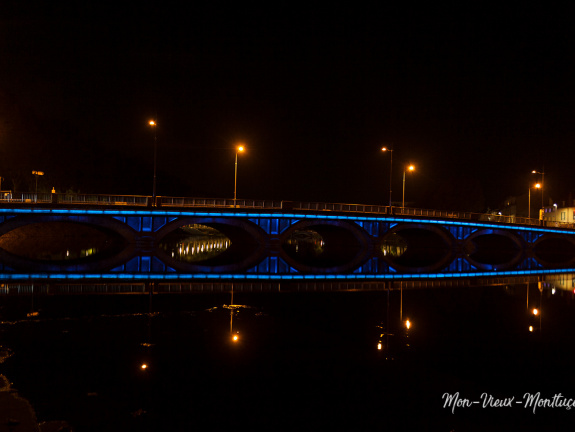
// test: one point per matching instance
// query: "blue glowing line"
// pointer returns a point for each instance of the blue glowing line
(264, 277)
(172, 213)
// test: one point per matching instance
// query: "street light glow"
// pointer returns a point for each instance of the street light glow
(409, 168)
(390, 150)
(152, 123)
(239, 149)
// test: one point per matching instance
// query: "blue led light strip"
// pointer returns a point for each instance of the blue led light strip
(171, 213)
(6, 277)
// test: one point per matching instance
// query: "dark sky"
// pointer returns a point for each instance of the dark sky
(475, 97)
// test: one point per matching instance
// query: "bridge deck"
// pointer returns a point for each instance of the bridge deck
(140, 201)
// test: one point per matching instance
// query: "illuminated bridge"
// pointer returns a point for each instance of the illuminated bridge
(110, 238)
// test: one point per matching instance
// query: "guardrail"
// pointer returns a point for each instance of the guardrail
(185, 202)
(217, 202)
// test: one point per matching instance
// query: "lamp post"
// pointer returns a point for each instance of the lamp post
(536, 186)
(37, 173)
(239, 149)
(154, 125)
(542, 173)
(409, 168)
(390, 150)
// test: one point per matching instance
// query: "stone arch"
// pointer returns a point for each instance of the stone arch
(104, 262)
(238, 258)
(446, 252)
(504, 235)
(560, 246)
(334, 230)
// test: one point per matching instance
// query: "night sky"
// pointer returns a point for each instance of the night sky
(476, 98)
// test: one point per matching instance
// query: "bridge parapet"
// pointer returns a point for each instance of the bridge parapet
(27, 199)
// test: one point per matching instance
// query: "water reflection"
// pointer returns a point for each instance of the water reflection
(313, 351)
(60, 241)
(195, 243)
(305, 244)
(394, 246)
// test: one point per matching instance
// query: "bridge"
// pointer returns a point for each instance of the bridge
(124, 238)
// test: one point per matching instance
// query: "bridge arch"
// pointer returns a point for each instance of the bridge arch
(347, 246)
(439, 241)
(248, 245)
(115, 230)
(554, 250)
(497, 246)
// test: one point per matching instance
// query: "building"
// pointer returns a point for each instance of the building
(563, 214)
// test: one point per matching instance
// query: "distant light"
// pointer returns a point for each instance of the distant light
(531, 328)
(379, 346)
(144, 366)
(407, 324)
(411, 168)
(535, 311)
(537, 185)
(241, 148)
(552, 290)
(152, 123)
(235, 338)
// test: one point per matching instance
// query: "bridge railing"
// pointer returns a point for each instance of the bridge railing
(163, 201)
(217, 202)
(339, 207)
(96, 199)
(407, 211)
(138, 200)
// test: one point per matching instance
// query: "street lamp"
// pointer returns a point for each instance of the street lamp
(536, 186)
(37, 173)
(239, 149)
(390, 150)
(153, 124)
(409, 168)
(542, 173)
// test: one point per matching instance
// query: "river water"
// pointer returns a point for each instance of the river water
(302, 361)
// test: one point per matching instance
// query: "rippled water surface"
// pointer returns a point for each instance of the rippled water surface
(302, 361)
